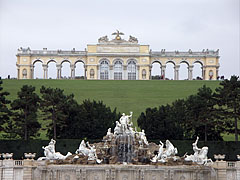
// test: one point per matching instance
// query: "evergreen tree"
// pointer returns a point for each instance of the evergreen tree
(228, 97)
(54, 105)
(24, 122)
(202, 116)
(4, 110)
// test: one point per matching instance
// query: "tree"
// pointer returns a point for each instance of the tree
(54, 105)
(159, 124)
(90, 120)
(228, 97)
(4, 110)
(202, 116)
(24, 121)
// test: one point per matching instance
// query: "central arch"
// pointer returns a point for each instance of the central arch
(132, 69)
(118, 69)
(156, 70)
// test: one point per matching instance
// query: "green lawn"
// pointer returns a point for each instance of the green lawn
(126, 96)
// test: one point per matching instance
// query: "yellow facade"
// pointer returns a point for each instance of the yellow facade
(117, 59)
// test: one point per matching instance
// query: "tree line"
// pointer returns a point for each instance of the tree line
(207, 114)
(69, 120)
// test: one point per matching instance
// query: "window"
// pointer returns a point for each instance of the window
(144, 74)
(118, 70)
(91, 73)
(131, 68)
(104, 70)
(24, 73)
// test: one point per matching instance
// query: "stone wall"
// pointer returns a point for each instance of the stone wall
(37, 170)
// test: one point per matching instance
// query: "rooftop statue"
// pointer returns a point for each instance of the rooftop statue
(103, 39)
(118, 37)
(50, 154)
(133, 39)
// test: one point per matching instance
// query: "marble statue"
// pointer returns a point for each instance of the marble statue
(117, 129)
(50, 154)
(163, 154)
(200, 154)
(125, 121)
(143, 139)
(133, 39)
(87, 150)
(103, 39)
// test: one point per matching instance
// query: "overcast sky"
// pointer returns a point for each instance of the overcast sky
(162, 24)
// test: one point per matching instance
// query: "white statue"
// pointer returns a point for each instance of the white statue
(125, 121)
(50, 154)
(143, 139)
(200, 155)
(87, 150)
(117, 129)
(163, 154)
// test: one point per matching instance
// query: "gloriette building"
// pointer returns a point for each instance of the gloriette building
(117, 59)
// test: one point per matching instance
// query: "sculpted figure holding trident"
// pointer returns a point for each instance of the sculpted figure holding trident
(125, 121)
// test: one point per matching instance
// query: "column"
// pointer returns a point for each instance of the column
(190, 72)
(204, 73)
(18, 72)
(85, 71)
(138, 73)
(150, 72)
(98, 72)
(217, 71)
(176, 72)
(45, 66)
(32, 71)
(59, 67)
(73, 71)
(163, 69)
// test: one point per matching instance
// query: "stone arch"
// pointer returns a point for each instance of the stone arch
(183, 70)
(51, 60)
(78, 69)
(52, 69)
(117, 59)
(36, 60)
(37, 69)
(156, 69)
(66, 69)
(170, 73)
(198, 72)
(104, 59)
(132, 59)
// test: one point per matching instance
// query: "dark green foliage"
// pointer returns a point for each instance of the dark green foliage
(55, 105)
(4, 111)
(89, 120)
(228, 98)
(185, 119)
(24, 122)
(202, 117)
(160, 124)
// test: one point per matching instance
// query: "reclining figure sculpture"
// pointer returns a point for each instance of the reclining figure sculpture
(200, 155)
(163, 154)
(50, 154)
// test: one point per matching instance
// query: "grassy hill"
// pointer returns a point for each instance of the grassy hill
(126, 96)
